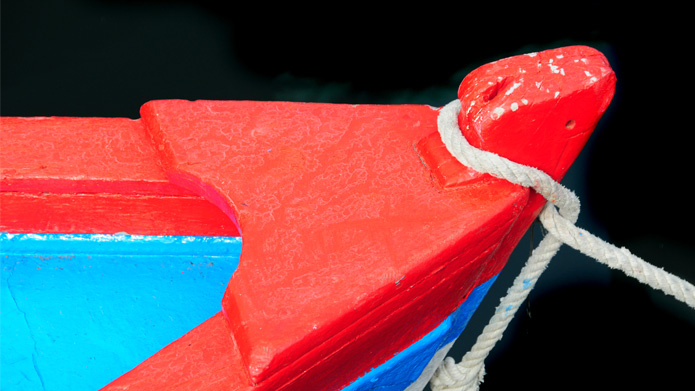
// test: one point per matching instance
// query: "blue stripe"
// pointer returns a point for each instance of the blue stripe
(405, 367)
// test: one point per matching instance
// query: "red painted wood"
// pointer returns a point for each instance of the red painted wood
(112, 213)
(321, 192)
(80, 155)
(94, 175)
(360, 234)
(537, 109)
(203, 359)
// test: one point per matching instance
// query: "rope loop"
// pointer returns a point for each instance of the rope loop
(558, 217)
(497, 166)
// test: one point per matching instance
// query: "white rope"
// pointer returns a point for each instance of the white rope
(468, 374)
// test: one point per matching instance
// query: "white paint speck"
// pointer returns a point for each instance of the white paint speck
(514, 106)
(560, 56)
(591, 77)
(512, 88)
(524, 101)
(556, 94)
(497, 113)
(534, 54)
(562, 71)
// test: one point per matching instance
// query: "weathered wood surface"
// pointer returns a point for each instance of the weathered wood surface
(355, 223)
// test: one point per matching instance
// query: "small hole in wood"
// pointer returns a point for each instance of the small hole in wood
(570, 124)
(493, 90)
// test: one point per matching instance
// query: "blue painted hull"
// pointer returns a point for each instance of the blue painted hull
(80, 310)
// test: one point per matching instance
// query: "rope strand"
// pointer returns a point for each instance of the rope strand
(558, 217)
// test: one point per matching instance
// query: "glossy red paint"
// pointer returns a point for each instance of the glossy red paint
(344, 235)
(94, 175)
(100, 213)
(361, 234)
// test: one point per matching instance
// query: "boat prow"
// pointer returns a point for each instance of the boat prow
(362, 236)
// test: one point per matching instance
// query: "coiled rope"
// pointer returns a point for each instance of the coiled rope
(558, 217)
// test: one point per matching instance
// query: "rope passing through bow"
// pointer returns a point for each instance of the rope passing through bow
(558, 217)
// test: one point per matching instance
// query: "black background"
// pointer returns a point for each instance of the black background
(584, 326)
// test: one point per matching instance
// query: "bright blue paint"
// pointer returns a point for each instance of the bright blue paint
(404, 368)
(527, 283)
(80, 310)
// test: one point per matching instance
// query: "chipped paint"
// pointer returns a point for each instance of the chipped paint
(496, 113)
(512, 88)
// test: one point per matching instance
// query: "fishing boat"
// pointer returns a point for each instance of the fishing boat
(366, 245)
